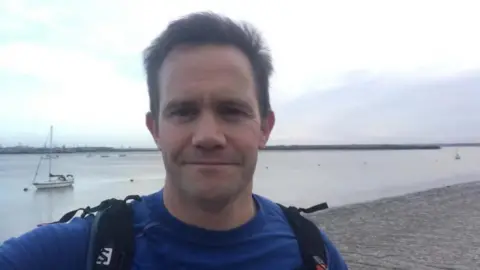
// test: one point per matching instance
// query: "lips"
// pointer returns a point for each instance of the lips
(211, 163)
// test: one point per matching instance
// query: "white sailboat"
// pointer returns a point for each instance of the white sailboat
(457, 155)
(52, 180)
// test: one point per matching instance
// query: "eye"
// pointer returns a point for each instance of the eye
(231, 113)
(186, 112)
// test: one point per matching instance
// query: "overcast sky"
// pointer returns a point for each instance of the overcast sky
(346, 71)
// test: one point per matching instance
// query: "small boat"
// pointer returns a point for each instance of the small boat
(457, 155)
(56, 181)
(52, 180)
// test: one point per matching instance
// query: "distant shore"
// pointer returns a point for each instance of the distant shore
(433, 229)
(329, 147)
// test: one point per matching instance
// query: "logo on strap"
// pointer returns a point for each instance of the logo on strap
(105, 256)
(320, 264)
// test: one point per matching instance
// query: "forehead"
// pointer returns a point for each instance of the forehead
(210, 71)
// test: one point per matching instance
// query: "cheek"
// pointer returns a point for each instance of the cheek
(246, 136)
(171, 138)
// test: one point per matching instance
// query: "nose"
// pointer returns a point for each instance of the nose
(208, 134)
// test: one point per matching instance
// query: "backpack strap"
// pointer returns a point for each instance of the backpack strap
(112, 238)
(310, 241)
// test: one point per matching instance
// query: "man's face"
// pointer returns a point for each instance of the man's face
(209, 127)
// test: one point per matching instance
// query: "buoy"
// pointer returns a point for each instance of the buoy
(131, 180)
(25, 189)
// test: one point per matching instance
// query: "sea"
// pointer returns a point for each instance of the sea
(300, 178)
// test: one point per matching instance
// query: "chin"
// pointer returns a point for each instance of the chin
(211, 178)
(212, 199)
(214, 188)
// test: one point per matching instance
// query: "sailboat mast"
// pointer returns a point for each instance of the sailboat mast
(50, 154)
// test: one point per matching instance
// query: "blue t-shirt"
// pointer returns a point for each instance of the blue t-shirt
(164, 242)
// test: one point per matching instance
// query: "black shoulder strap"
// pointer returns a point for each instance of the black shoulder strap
(112, 239)
(310, 241)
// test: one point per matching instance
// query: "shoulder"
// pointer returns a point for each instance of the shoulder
(53, 246)
(61, 245)
(334, 258)
(275, 214)
(143, 209)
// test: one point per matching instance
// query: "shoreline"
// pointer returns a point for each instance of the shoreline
(330, 147)
(432, 229)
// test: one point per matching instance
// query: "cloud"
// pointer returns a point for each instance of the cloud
(61, 63)
(388, 109)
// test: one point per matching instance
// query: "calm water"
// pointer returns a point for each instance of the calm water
(300, 178)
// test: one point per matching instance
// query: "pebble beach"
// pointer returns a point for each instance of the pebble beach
(433, 229)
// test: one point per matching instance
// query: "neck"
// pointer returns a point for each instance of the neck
(224, 215)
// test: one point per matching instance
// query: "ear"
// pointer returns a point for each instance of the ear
(152, 126)
(267, 126)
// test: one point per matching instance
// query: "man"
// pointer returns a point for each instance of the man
(208, 82)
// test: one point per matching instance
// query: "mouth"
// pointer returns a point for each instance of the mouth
(216, 163)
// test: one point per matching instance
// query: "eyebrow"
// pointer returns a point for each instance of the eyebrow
(175, 104)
